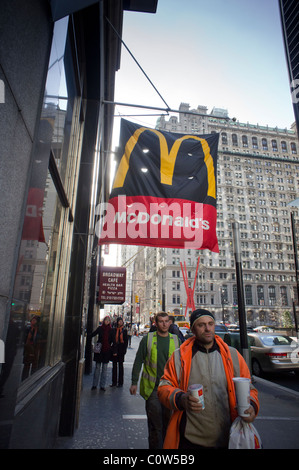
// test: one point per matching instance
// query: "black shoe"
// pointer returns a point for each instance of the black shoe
(113, 385)
(93, 387)
(102, 388)
(120, 385)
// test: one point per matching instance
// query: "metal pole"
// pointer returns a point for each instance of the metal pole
(296, 268)
(240, 291)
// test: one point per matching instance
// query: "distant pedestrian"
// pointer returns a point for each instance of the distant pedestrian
(154, 350)
(104, 332)
(174, 329)
(130, 333)
(119, 349)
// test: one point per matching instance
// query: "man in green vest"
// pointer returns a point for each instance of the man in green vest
(154, 350)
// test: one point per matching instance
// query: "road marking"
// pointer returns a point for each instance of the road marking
(277, 418)
(134, 417)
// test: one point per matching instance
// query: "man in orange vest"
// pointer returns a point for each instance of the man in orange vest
(203, 359)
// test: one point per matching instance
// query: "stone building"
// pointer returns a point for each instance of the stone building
(257, 176)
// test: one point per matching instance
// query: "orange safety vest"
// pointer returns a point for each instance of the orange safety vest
(171, 384)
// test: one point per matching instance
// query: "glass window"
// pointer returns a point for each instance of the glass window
(260, 295)
(284, 296)
(235, 139)
(264, 144)
(224, 138)
(248, 295)
(272, 295)
(293, 147)
(244, 141)
(41, 279)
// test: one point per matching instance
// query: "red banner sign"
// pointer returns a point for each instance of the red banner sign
(164, 191)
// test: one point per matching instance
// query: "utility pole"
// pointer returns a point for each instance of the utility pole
(240, 291)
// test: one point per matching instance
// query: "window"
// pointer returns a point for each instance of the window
(224, 138)
(293, 147)
(272, 295)
(274, 145)
(244, 141)
(284, 296)
(264, 144)
(260, 295)
(235, 140)
(248, 295)
(47, 234)
(254, 143)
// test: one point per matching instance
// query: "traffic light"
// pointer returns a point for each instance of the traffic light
(136, 299)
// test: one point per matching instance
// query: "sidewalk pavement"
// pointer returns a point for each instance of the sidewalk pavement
(114, 419)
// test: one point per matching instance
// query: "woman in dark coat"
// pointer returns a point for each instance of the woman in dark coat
(102, 359)
(119, 349)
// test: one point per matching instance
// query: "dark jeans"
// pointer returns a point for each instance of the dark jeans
(157, 420)
(117, 366)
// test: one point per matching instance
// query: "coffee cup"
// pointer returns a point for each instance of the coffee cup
(196, 390)
(242, 389)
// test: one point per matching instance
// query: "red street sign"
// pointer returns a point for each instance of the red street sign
(112, 285)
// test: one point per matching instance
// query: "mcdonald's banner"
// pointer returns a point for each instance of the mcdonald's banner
(164, 191)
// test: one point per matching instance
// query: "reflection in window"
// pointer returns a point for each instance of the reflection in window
(41, 251)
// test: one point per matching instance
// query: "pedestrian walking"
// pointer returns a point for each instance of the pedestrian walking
(130, 333)
(174, 329)
(154, 350)
(102, 359)
(119, 349)
(203, 359)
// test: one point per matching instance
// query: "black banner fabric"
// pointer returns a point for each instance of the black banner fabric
(164, 191)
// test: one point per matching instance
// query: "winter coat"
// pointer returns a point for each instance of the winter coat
(176, 378)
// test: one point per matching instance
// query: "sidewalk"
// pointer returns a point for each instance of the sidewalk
(116, 420)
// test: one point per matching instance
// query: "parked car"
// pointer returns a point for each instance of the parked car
(186, 332)
(263, 329)
(144, 329)
(233, 327)
(272, 352)
(222, 331)
(220, 327)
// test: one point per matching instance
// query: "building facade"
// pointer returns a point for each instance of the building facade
(257, 176)
(289, 14)
(58, 63)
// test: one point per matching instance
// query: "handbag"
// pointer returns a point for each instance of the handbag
(97, 348)
(244, 436)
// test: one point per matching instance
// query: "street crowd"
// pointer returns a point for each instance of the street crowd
(168, 365)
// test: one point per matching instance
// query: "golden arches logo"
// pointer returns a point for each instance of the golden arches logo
(168, 159)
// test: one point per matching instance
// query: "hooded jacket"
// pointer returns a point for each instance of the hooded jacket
(176, 377)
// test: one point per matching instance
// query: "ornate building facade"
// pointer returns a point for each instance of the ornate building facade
(257, 176)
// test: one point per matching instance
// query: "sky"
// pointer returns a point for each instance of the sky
(217, 53)
(223, 53)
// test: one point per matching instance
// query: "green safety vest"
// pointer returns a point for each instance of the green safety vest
(149, 372)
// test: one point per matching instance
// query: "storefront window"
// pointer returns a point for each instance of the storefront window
(38, 306)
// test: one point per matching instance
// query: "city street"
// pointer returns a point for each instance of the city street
(116, 420)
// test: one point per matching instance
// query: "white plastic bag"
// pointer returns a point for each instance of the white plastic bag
(243, 436)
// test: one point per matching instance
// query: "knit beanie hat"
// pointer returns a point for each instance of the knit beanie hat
(200, 312)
